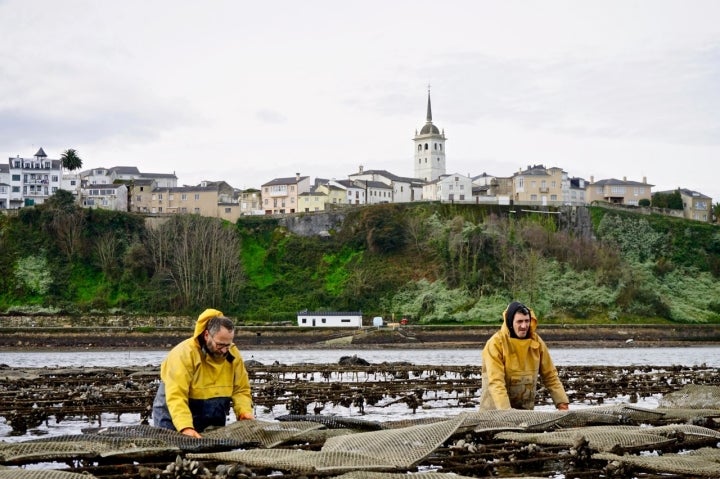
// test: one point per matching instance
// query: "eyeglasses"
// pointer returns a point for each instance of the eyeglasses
(220, 345)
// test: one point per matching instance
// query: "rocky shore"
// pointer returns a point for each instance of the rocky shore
(410, 336)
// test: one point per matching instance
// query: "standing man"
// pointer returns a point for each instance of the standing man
(201, 378)
(512, 360)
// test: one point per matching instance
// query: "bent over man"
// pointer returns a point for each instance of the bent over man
(512, 360)
(201, 378)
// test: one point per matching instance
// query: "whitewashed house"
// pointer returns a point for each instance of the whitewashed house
(329, 319)
(455, 188)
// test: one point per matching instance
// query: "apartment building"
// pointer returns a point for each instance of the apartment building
(541, 186)
(621, 192)
(281, 195)
(108, 197)
(29, 181)
(204, 199)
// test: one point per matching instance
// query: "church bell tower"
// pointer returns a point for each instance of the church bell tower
(429, 149)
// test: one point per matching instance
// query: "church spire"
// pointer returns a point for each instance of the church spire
(429, 109)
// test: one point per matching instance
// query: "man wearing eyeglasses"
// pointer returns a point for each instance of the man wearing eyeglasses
(202, 377)
(512, 360)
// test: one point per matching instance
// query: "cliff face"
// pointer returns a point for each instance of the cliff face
(313, 224)
(573, 218)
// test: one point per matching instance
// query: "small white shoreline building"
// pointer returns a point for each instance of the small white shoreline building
(330, 319)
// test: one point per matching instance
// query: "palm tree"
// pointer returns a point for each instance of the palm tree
(70, 160)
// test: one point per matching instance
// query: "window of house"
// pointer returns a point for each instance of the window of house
(171, 197)
(323, 320)
(183, 210)
(553, 197)
(197, 211)
(54, 178)
(426, 146)
(138, 198)
(228, 210)
(183, 197)
(462, 197)
(533, 198)
(16, 189)
(16, 177)
(197, 197)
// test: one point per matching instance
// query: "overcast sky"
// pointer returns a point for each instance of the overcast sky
(250, 91)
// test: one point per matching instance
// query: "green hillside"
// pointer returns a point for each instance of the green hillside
(428, 262)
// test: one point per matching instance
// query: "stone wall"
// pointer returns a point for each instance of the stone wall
(109, 321)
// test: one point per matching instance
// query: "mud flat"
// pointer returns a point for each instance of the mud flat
(411, 336)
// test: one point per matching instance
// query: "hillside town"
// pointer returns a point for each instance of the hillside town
(29, 181)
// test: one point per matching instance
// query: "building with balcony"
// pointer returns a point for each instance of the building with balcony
(31, 181)
(280, 196)
(538, 185)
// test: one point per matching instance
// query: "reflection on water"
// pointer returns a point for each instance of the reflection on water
(625, 356)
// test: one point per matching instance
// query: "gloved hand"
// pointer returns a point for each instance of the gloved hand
(246, 415)
(563, 406)
(188, 431)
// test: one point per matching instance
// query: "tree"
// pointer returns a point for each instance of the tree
(70, 160)
(201, 257)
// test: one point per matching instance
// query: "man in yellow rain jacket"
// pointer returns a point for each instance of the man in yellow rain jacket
(201, 378)
(512, 360)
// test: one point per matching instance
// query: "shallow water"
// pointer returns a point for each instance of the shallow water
(622, 356)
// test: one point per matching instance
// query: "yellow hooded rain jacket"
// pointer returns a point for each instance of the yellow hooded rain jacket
(510, 369)
(198, 389)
